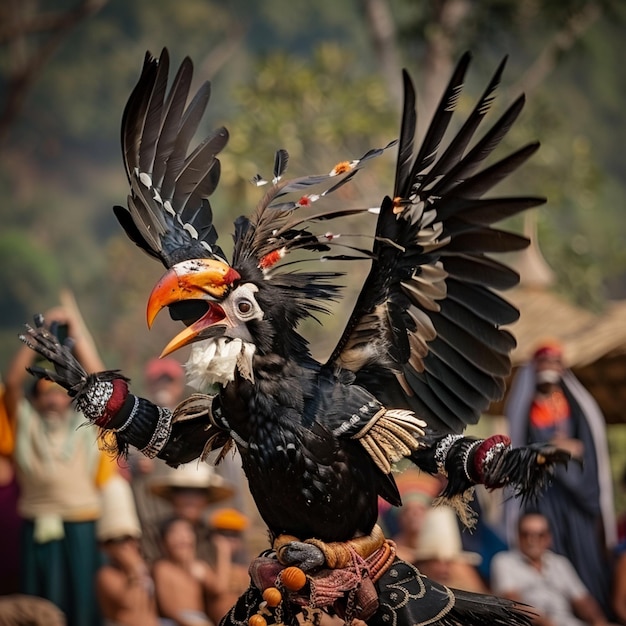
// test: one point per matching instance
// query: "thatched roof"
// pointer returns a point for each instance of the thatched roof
(585, 336)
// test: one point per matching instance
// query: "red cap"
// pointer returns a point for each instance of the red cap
(157, 368)
(549, 349)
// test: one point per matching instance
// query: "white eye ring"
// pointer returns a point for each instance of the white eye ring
(244, 307)
(242, 303)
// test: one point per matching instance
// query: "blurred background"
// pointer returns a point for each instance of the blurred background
(321, 79)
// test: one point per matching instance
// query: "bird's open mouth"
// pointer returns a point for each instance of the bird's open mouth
(190, 311)
(192, 290)
(205, 327)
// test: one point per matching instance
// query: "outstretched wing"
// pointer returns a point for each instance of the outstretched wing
(425, 332)
(169, 215)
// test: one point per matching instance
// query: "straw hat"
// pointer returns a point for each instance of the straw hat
(440, 538)
(194, 475)
(118, 516)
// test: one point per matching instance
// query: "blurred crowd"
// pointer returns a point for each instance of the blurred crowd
(91, 540)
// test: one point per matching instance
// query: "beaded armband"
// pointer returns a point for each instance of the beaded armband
(161, 433)
(102, 400)
(468, 459)
(441, 452)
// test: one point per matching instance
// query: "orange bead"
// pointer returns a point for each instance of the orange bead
(272, 596)
(293, 578)
(257, 620)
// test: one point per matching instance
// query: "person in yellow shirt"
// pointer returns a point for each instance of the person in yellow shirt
(60, 470)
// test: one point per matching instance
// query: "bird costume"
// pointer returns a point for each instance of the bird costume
(421, 356)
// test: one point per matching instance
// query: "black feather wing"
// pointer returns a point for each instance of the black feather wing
(169, 215)
(425, 332)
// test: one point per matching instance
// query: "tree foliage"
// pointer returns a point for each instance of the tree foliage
(305, 78)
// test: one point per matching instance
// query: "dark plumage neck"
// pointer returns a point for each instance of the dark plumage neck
(277, 396)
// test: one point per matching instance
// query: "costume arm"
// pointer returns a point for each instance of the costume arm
(105, 400)
(81, 345)
(469, 461)
(153, 430)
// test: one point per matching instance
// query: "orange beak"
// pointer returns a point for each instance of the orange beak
(198, 279)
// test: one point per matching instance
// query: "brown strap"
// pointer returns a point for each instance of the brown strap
(381, 560)
(339, 554)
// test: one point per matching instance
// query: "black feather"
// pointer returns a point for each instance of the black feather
(172, 116)
(407, 136)
(189, 126)
(468, 165)
(154, 112)
(439, 124)
(281, 160)
(455, 150)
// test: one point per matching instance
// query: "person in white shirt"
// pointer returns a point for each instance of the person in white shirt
(547, 581)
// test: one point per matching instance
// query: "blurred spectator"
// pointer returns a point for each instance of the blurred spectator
(124, 587)
(404, 524)
(619, 585)
(186, 586)
(428, 536)
(190, 489)
(547, 581)
(10, 522)
(439, 553)
(164, 381)
(486, 537)
(21, 610)
(164, 384)
(232, 524)
(547, 403)
(621, 518)
(60, 470)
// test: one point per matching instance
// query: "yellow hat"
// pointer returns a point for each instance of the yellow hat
(229, 520)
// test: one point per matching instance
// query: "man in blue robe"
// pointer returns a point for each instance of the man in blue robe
(548, 403)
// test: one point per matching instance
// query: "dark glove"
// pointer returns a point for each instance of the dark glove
(98, 396)
(68, 372)
(527, 469)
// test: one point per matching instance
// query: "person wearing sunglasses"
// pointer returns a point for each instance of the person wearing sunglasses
(546, 581)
